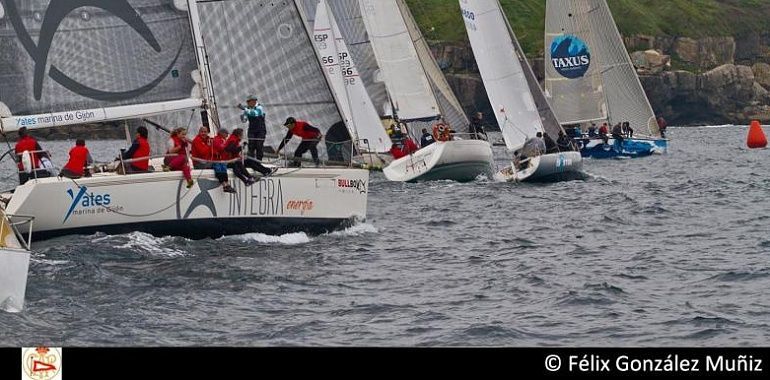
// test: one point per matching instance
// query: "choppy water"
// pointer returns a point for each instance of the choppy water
(671, 250)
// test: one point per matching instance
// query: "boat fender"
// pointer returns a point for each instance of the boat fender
(26, 161)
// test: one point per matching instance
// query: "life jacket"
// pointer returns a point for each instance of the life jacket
(201, 148)
(300, 130)
(603, 130)
(397, 152)
(78, 160)
(233, 139)
(219, 148)
(410, 147)
(142, 152)
(179, 142)
(30, 144)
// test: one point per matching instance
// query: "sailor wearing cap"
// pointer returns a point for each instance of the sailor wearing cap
(254, 114)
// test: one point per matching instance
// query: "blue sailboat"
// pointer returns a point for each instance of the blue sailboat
(590, 81)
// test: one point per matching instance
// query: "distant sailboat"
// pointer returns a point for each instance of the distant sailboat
(420, 96)
(520, 107)
(590, 79)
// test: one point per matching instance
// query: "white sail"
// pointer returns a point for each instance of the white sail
(347, 13)
(591, 21)
(451, 109)
(361, 117)
(110, 60)
(573, 78)
(502, 71)
(407, 84)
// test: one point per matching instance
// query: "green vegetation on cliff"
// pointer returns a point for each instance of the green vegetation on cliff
(441, 20)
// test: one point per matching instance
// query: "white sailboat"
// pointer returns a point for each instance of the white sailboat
(521, 109)
(142, 62)
(590, 79)
(361, 117)
(420, 96)
(14, 262)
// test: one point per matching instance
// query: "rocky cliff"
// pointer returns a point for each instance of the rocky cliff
(689, 81)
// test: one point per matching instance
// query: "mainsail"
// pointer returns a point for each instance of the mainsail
(405, 78)
(589, 29)
(263, 48)
(65, 63)
(502, 69)
(361, 117)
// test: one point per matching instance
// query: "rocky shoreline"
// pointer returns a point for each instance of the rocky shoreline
(713, 80)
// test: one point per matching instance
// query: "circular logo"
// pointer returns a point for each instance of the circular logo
(42, 363)
(570, 56)
(285, 31)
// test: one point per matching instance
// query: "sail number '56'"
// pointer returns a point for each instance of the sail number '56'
(470, 18)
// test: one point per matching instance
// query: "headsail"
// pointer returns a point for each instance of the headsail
(450, 107)
(263, 48)
(361, 117)
(353, 31)
(407, 84)
(503, 71)
(111, 60)
(622, 91)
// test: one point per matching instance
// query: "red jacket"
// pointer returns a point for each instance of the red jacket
(202, 149)
(305, 131)
(142, 151)
(78, 160)
(30, 144)
(409, 146)
(219, 148)
(397, 152)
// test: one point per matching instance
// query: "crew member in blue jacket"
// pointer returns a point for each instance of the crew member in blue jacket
(254, 114)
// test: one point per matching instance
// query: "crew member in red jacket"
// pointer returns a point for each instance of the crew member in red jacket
(310, 135)
(80, 157)
(202, 151)
(232, 150)
(139, 151)
(28, 143)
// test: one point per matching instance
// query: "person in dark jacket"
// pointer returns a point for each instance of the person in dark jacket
(662, 125)
(564, 142)
(476, 127)
(427, 138)
(254, 114)
(550, 145)
(310, 136)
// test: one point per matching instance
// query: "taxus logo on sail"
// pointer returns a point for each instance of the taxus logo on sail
(570, 56)
(84, 202)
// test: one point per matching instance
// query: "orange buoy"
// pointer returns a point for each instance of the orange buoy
(757, 138)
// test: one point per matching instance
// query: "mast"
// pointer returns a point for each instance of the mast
(209, 101)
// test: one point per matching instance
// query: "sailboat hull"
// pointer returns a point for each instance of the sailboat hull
(564, 166)
(14, 264)
(309, 200)
(460, 160)
(630, 148)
